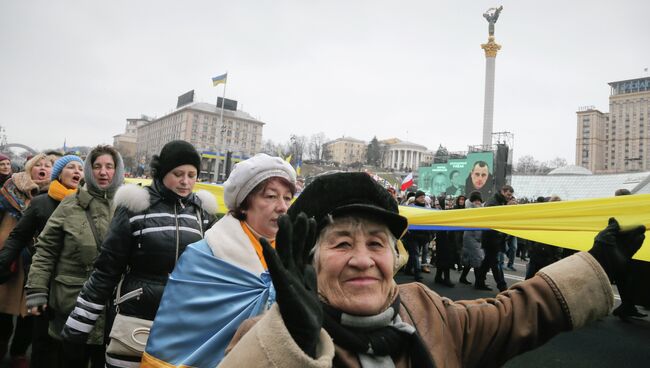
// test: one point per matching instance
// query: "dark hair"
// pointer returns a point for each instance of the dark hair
(103, 150)
(540, 199)
(452, 173)
(53, 153)
(475, 196)
(507, 187)
(239, 211)
(480, 164)
(622, 191)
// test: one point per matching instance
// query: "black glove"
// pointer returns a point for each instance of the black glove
(294, 279)
(613, 248)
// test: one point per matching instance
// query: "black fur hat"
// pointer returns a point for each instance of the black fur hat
(346, 193)
(172, 155)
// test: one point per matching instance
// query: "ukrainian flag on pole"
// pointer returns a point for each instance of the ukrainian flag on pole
(219, 79)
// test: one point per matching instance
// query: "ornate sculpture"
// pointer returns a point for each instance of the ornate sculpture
(492, 15)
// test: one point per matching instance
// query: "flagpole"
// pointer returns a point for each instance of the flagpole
(223, 131)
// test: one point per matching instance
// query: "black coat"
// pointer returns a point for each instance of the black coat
(27, 229)
(143, 244)
(494, 241)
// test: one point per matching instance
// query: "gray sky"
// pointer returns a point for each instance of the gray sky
(76, 70)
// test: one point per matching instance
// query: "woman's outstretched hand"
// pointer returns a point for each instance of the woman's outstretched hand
(294, 279)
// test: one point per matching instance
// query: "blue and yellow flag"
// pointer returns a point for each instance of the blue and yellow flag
(299, 167)
(569, 224)
(219, 79)
(205, 301)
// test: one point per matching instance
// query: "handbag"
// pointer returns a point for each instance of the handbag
(129, 335)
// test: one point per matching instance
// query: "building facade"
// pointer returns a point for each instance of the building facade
(617, 141)
(200, 124)
(346, 150)
(126, 142)
(590, 144)
(405, 156)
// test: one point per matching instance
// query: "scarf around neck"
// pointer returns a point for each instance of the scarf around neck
(378, 340)
(59, 191)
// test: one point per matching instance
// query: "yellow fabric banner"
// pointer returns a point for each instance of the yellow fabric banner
(571, 224)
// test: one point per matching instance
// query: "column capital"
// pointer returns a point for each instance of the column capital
(491, 47)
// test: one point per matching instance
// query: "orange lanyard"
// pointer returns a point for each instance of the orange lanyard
(256, 243)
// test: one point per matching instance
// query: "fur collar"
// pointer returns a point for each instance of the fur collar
(137, 199)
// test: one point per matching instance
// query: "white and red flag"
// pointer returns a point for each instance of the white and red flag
(407, 182)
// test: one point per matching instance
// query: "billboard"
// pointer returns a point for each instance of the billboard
(459, 176)
(185, 99)
(229, 105)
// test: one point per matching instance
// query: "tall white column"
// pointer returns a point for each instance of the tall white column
(491, 49)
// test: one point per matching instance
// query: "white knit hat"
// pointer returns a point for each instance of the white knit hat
(248, 173)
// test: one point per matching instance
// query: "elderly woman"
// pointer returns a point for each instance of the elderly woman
(151, 228)
(361, 318)
(226, 272)
(69, 244)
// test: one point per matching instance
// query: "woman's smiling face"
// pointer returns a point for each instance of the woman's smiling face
(354, 266)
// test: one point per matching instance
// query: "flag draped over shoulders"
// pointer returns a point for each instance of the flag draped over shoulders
(205, 301)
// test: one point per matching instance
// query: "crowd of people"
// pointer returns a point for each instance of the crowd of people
(95, 272)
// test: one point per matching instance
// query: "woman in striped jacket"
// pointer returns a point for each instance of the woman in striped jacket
(150, 229)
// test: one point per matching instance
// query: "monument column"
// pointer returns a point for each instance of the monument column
(490, 48)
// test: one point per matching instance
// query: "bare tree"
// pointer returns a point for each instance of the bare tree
(316, 146)
(557, 162)
(527, 165)
(297, 146)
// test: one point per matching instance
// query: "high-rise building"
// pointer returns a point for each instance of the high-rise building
(200, 124)
(617, 141)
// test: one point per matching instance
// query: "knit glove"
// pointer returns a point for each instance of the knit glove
(614, 247)
(36, 299)
(294, 280)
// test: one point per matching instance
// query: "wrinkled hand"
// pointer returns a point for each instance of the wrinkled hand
(294, 280)
(614, 247)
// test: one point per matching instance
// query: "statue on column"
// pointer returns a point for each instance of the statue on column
(492, 15)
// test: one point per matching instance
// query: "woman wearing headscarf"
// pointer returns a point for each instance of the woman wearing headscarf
(343, 307)
(151, 228)
(5, 168)
(17, 206)
(225, 272)
(67, 248)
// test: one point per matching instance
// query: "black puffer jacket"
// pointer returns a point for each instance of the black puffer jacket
(27, 229)
(151, 227)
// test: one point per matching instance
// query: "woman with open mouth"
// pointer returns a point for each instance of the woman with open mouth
(68, 245)
(150, 229)
(25, 207)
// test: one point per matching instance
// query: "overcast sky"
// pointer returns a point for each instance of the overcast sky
(76, 70)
